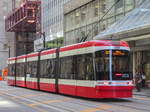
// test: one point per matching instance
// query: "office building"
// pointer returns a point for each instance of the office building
(51, 23)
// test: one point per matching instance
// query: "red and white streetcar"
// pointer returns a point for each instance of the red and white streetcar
(92, 69)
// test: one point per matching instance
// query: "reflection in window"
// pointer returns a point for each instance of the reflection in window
(102, 65)
(78, 67)
(120, 65)
(20, 69)
(11, 70)
(47, 68)
(32, 68)
(67, 68)
(85, 67)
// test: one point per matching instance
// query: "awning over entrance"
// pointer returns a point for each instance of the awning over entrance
(136, 23)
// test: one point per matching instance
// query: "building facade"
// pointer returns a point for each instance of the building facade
(22, 20)
(87, 18)
(6, 39)
(84, 19)
(51, 21)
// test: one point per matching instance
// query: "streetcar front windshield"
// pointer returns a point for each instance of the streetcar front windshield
(119, 65)
(102, 65)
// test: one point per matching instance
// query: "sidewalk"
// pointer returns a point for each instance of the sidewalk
(143, 92)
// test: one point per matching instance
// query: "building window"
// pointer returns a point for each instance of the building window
(103, 8)
(129, 4)
(95, 28)
(77, 16)
(119, 4)
(119, 7)
(83, 14)
(96, 8)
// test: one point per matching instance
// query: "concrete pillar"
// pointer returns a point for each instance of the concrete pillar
(134, 64)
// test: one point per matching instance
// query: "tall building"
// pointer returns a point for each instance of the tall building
(112, 19)
(6, 39)
(22, 20)
(51, 23)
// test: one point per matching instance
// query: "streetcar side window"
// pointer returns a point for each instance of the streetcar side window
(47, 68)
(28, 71)
(11, 70)
(67, 68)
(43, 69)
(20, 70)
(32, 68)
(78, 67)
(17, 70)
(85, 67)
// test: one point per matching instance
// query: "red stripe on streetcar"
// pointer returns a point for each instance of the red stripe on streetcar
(21, 57)
(11, 59)
(52, 51)
(32, 55)
(94, 43)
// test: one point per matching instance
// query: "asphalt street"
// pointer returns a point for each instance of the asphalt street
(16, 99)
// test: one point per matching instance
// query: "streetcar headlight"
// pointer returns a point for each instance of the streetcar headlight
(106, 83)
(130, 83)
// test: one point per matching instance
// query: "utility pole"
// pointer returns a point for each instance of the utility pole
(13, 4)
(9, 51)
(44, 44)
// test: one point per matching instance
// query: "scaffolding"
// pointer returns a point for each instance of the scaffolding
(23, 18)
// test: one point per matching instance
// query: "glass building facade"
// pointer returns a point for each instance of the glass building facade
(51, 23)
(86, 21)
(52, 18)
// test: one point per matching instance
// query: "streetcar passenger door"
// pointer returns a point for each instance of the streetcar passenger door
(85, 76)
(102, 65)
(57, 70)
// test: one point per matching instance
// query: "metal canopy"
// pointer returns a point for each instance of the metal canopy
(137, 22)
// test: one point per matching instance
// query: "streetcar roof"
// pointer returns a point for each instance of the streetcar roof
(34, 54)
(95, 43)
(21, 57)
(12, 58)
(50, 51)
(92, 43)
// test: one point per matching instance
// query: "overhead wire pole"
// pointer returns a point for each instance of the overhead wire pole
(44, 43)
(13, 4)
(83, 39)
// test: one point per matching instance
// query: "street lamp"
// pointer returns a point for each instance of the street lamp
(43, 34)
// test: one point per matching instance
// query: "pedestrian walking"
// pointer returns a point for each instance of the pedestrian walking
(143, 79)
(138, 81)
